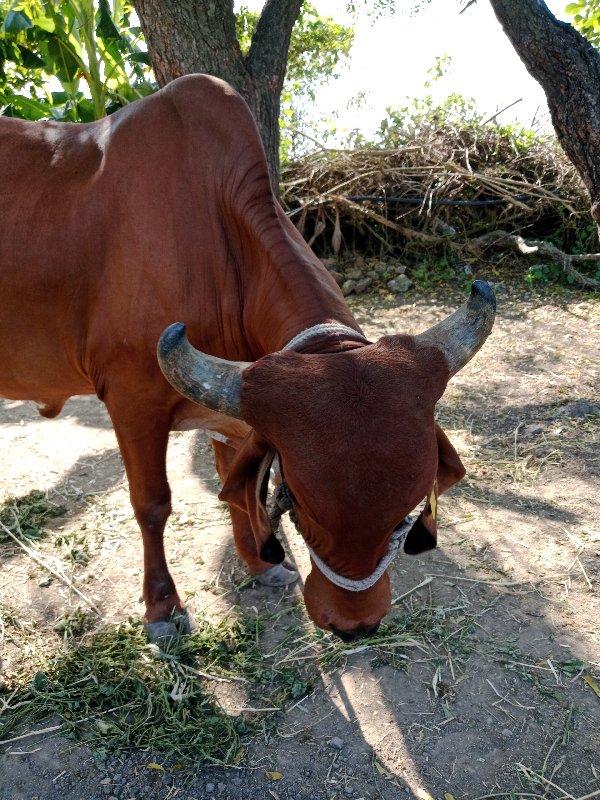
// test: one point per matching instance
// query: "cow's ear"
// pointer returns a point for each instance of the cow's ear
(450, 467)
(423, 534)
(246, 488)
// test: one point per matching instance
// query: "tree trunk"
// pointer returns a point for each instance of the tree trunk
(568, 69)
(200, 36)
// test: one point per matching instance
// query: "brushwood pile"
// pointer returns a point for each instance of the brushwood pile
(378, 217)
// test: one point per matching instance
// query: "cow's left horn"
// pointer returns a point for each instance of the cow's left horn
(207, 380)
(460, 335)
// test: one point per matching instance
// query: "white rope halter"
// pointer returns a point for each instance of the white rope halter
(401, 532)
(318, 330)
(398, 537)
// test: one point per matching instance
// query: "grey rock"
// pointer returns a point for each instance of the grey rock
(353, 274)
(382, 268)
(399, 284)
(362, 285)
(444, 229)
(210, 787)
(337, 743)
(580, 408)
(348, 287)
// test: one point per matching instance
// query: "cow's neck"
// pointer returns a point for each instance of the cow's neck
(287, 290)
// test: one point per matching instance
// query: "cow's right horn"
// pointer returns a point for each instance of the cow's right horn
(460, 335)
(207, 380)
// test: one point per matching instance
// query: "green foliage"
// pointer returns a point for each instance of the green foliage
(412, 120)
(94, 54)
(586, 18)
(318, 47)
(543, 274)
(26, 516)
(118, 692)
(421, 116)
(90, 49)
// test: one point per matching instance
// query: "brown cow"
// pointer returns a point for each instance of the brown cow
(162, 212)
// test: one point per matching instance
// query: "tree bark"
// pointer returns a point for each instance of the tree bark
(568, 69)
(200, 36)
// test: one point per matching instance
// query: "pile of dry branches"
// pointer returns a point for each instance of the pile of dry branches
(444, 185)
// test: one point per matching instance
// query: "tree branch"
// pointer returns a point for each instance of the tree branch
(267, 59)
(568, 69)
(517, 244)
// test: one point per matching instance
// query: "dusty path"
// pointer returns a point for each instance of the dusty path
(495, 695)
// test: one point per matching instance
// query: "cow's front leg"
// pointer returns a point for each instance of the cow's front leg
(265, 572)
(143, 439)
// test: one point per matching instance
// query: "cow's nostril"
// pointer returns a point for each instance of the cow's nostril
(345, 636)
(358, 633)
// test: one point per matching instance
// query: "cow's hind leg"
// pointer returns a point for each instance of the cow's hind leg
(143, 438)
(265, 572)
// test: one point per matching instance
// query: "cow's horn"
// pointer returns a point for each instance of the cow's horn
(460, 335)
(207, 380)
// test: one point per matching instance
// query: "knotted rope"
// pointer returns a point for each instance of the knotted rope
(282, 502)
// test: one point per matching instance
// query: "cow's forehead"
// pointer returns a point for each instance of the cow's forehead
(388, 388)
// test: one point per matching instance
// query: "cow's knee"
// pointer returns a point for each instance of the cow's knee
(152, 515)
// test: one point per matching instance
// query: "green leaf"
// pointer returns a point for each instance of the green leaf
(66, 65)
(30, 59)
(17, 21)
(85, 110)
(26, 108)
(45, 24)
(139, 58)
(106, 28)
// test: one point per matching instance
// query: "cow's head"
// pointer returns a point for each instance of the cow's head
(357, 442)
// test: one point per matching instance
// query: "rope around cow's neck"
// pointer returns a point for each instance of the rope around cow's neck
(305, 336)
(283, 502)
(351, 585)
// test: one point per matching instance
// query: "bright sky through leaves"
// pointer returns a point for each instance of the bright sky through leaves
(390, 61)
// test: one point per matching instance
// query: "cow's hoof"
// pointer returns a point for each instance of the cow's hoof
(278, 575)
(164, 632)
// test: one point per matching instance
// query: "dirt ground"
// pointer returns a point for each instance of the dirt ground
(502, 700)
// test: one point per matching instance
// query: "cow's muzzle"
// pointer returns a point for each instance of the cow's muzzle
(359, 633)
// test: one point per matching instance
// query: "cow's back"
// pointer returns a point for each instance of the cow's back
(114, 229)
